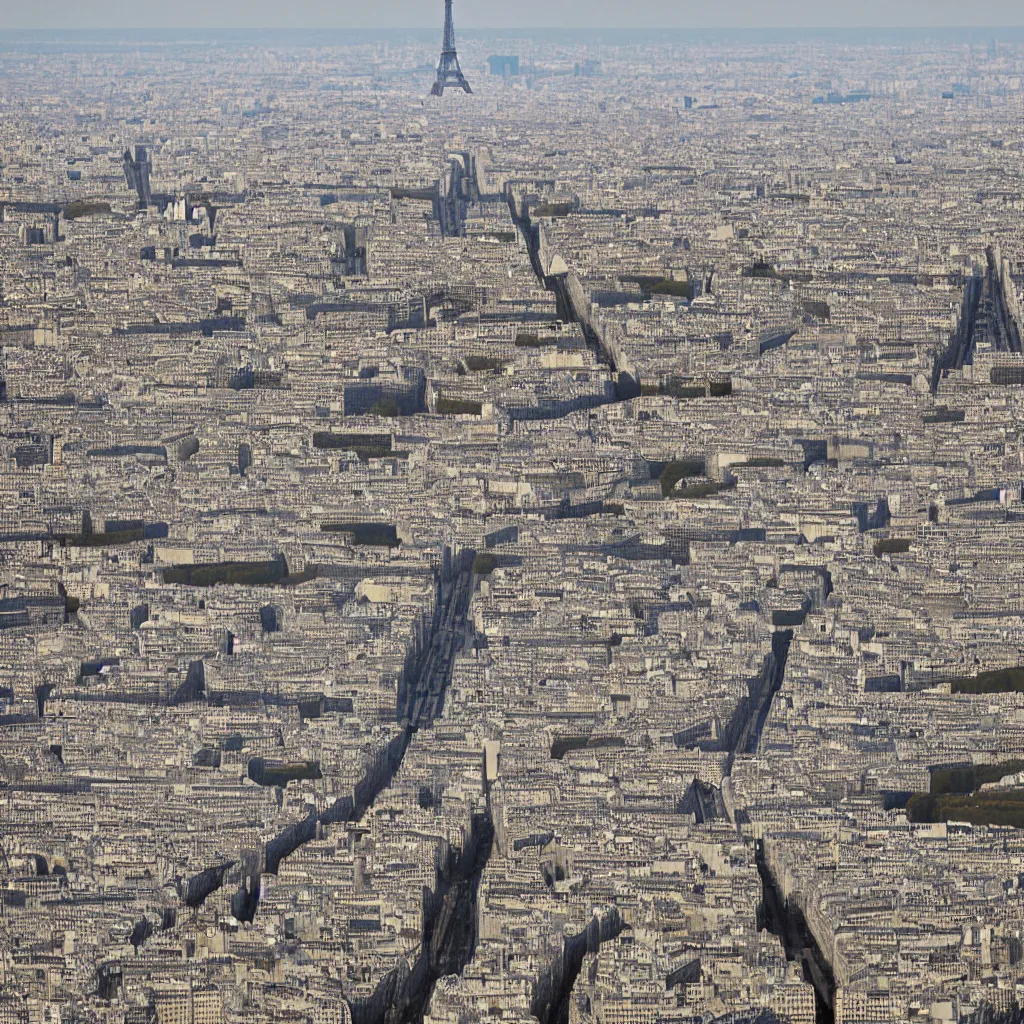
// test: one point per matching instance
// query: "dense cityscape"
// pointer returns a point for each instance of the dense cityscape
(534, 535)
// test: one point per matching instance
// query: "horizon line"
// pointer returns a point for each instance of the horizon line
(520, 29)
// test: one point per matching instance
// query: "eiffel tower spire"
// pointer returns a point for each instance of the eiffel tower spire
(448, 70)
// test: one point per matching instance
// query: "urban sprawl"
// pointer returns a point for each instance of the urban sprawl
(550, 552)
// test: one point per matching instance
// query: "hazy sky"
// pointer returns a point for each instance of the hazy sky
(58, 14)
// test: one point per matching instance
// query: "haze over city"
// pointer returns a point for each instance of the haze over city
(511, 524)
(61, 15)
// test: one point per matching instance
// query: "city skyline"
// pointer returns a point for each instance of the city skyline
(502, 530)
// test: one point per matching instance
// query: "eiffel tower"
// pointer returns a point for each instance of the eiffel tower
(448, 70)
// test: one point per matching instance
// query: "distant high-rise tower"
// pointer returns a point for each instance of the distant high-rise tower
(448, 70)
